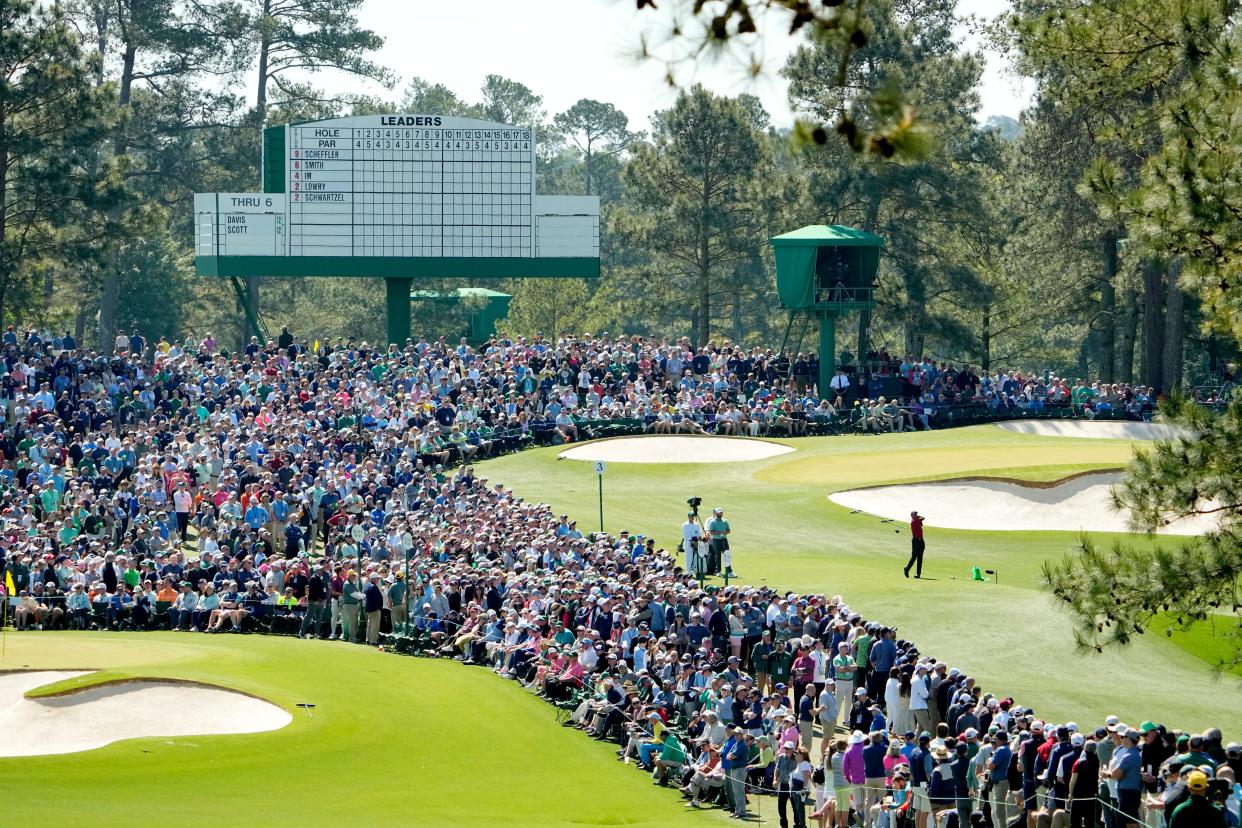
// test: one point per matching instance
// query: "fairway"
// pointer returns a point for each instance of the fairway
(1008, 635)
(393, 741)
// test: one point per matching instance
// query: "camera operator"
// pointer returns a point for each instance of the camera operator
(718, 531)
(691, 532)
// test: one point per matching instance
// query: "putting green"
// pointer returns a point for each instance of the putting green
(393, 741)
(1009, 635)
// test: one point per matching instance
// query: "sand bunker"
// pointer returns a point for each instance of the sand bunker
(1081, 503)
(99, 716)
(659, 448)
(1109, 430)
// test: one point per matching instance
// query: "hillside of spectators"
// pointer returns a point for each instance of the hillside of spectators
(327, 490)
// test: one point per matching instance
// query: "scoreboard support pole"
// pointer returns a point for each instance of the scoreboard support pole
(397, 302)
(827, 350)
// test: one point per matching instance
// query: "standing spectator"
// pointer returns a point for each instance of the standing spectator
(351, 606)
(1125, 769)
(718, 531)
(843, 668)
(374, 604)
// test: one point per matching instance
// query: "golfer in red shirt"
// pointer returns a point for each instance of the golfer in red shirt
(916, 545)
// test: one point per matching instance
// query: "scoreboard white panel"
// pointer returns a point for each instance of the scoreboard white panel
(410, 185)
(239, 224)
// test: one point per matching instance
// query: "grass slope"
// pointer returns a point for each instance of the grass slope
(393, 741)
(1007, 634)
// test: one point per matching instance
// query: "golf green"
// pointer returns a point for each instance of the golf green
(393, 741)
(1007, 632)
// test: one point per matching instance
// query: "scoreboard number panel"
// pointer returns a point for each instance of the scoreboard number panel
(410, 185)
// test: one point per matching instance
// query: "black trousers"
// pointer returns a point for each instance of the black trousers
(917, 546)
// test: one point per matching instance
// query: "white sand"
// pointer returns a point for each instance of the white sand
(1081, 504)
(1109, 430)
(99, 716)
(673, 448)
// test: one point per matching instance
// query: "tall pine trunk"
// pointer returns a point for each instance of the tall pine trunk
(985, 340)
(1153, 324)
(111, 287)
(1174, 329)
(1108, 308)
(1129, 332)
(265, 47)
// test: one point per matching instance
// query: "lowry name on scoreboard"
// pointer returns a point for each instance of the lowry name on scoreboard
(401, 186)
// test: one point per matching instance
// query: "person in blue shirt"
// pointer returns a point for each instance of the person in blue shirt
(697, 631)
(882, 657)
(733, 758)
(873, 770)
(1126, 768)
(256, 516)
(998, 778)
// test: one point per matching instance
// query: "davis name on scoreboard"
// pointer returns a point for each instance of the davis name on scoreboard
(413, 187)
(239, 224)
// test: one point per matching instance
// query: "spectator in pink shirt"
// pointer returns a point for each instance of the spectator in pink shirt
(852, 769)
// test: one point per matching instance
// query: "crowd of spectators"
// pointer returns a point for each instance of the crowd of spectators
(329, 491)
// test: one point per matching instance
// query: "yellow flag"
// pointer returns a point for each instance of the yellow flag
(9, 587)
(315, 349)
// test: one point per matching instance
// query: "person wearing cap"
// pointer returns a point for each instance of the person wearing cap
(882, 656)
(761, 661)
(672, 757)
(1083, 785)
(873, 752)
(861, 713)
(844, 669)
(718, 532)
(1197, 811)
(854, 770)
(734, 756)
(373, 604)
(921, 765)
(1233, 759)
(1195, 754)
(1028, 759)
(1125, 770)
(786, 762)
(827, 710)
(708, 773)
(691, 532)
(998, 778)
(941, 786)
(920, 694)
(1060, 748)
(896, 804)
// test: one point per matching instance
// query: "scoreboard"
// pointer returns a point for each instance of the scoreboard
(398, 187)
(402, 185)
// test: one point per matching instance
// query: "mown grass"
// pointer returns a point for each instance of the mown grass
(393, 741)
(1008, 634)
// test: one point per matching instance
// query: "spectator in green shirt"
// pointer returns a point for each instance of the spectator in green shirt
(672, 757)
(779, 663)
(761, 662)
